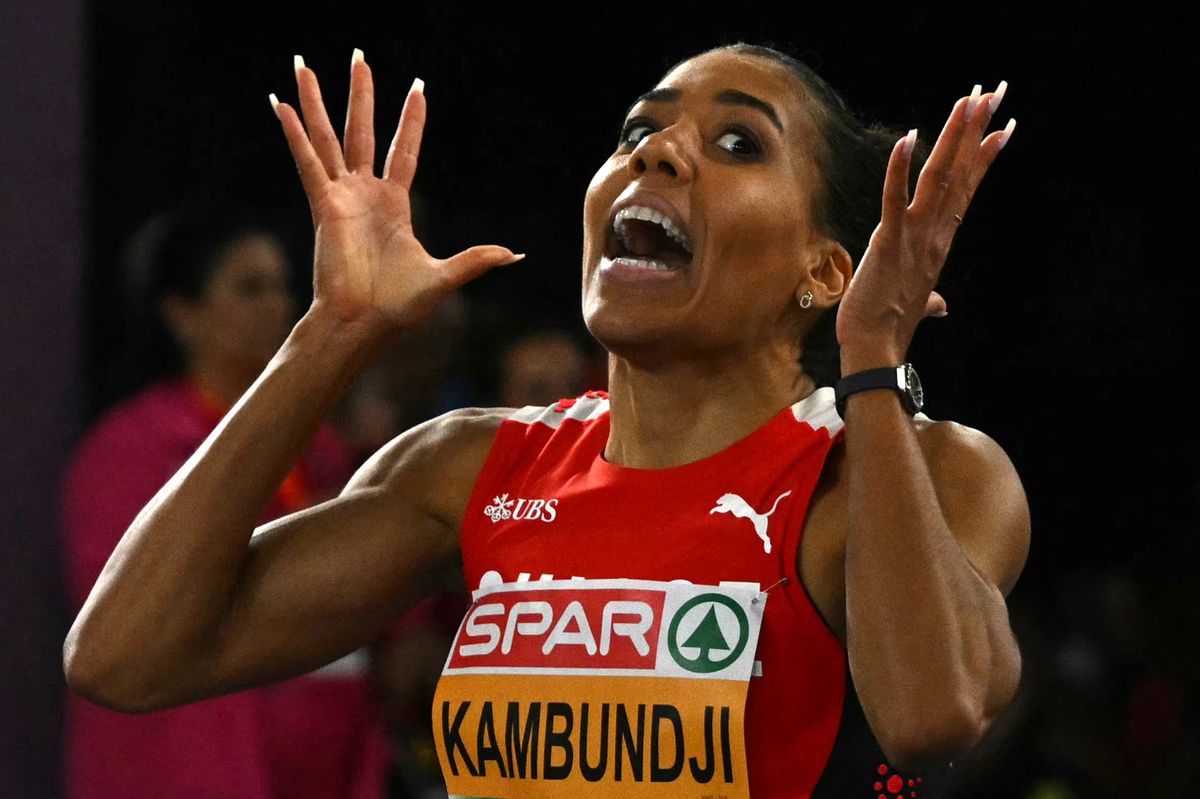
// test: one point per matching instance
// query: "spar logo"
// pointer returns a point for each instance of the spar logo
(556, 629)
(708, 633)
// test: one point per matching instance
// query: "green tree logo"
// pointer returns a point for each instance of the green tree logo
(708, 637)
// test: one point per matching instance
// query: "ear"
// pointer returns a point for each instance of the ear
(829, 277)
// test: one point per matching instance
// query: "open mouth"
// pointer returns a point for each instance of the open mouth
(643, 238)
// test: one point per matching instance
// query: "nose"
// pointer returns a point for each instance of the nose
(662, 153)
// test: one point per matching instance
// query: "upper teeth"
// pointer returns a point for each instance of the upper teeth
(650, 215)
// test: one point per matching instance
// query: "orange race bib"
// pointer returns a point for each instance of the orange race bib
(599, 688)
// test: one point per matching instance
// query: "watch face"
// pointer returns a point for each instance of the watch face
(915, 392)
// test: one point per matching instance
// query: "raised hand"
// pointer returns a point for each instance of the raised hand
(368, 267)
(892, 288)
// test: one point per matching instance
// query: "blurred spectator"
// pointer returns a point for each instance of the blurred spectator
(412, 382)
(408, 666)
(409, 384)
(540, 368)
(213, 289)
(1105, 691)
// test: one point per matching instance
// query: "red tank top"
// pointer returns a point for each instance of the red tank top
(548, 506)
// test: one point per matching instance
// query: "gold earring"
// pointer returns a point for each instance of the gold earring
(806, 300)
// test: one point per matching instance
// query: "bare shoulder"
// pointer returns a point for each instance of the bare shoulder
(435, 464)
(946, 432)
(982, 496)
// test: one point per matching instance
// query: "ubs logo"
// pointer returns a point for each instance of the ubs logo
(503, 508)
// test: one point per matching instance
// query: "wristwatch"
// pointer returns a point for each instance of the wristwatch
(902, 379)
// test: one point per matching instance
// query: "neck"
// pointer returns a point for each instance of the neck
(669, 415)
(221, 384)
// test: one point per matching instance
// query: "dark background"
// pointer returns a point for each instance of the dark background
(1067, 339)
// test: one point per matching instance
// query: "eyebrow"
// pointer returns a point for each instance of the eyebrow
(724, 97)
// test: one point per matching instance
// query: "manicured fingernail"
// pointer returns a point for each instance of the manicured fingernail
(418, 86)
(941, 313)
(973, 100)
(358, 55)
(1008, 129)
(517, 257)
(910, 141)
(298, 62)
(994, 103)
(274, 103)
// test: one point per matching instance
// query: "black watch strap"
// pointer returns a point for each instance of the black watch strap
(884, 377)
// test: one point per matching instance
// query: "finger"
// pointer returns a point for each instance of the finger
(401, 164)
(965, 174)
(989, 149)
(312, 171)
(935, 305)
(936, 176)
(360, 117)
(895, 181)
(321, 133)
(471, 263)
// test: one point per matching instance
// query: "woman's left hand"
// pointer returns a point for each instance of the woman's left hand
(892, 288)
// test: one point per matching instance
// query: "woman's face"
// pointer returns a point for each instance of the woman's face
(723, 146)
(246, 310)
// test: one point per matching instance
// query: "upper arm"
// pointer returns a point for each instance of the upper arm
(322, 582)
(982, 499)
(986, 509)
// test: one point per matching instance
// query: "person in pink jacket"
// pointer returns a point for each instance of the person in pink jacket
(218, 286)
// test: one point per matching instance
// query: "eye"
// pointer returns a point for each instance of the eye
(634, 124)
(744, 144)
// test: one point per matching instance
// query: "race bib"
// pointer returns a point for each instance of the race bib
(599, 688)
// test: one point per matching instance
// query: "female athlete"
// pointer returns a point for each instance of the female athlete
(715, 237)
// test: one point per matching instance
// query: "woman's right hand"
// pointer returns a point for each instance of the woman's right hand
(368, 267)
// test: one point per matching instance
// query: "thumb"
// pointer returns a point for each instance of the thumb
(471, 263)
(935, 305)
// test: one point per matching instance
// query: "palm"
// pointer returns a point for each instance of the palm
(367, 264)
(362, 224)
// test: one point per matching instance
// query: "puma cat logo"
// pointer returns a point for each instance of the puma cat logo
(732, 503)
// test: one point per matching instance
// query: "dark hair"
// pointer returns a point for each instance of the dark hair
(852, 158)
(176, 254)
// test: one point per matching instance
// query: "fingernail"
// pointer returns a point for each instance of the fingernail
(274, 103)
(942, 313)
(910, 141)
(994, 103)
(298, 62)
(358, 55)
(1008, 129)
(973, 100)
(418, 86)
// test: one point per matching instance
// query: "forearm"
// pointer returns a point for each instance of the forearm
(169, 582)
(928, 639)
